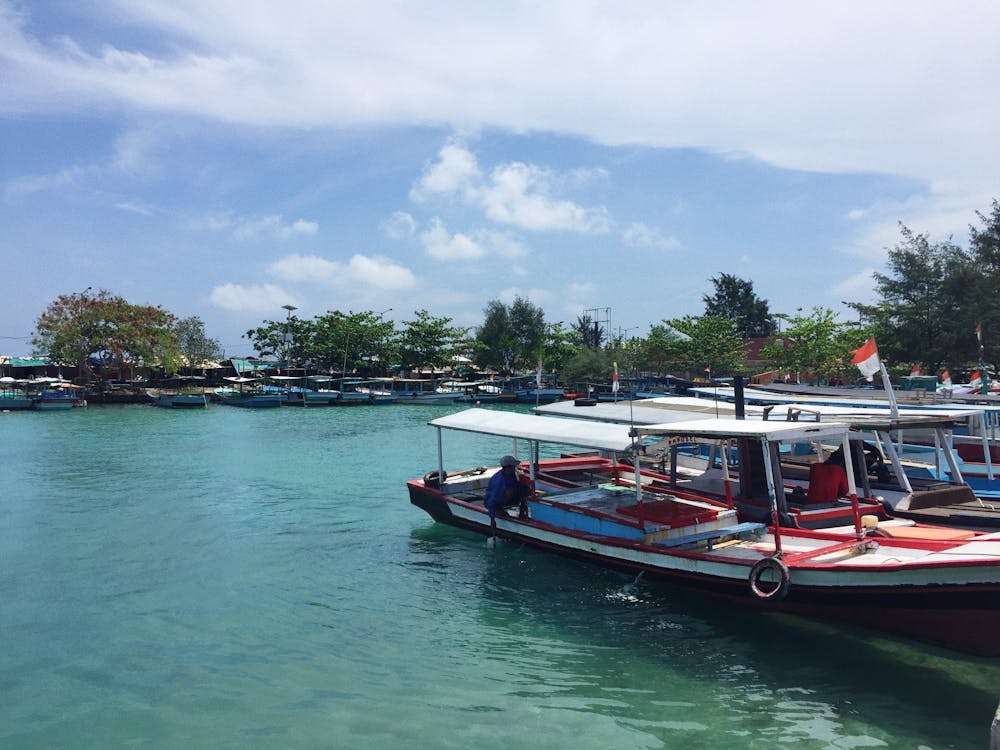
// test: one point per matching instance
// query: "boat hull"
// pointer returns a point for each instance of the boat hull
(179, 400)
(253, 402)
(950, 606)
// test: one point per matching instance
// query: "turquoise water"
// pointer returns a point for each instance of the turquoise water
(240, 578)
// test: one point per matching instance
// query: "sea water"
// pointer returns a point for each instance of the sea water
(257, 578)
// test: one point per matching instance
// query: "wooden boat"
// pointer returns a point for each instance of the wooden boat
(57, 395)
(180, 393)
(925, 582)
(249, 394)
(419, 391)
(353, 392)
(379, 391)
(14, 395)
(305, 390)
(924, 481)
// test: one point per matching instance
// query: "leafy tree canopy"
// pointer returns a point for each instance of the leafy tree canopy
(590, 332)
(196, 348)
(712, 342)
(815, 345)
(428, 341)
(75, 327)
(510, 336)
(734, 298)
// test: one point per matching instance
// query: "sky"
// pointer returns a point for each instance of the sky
(224, 158)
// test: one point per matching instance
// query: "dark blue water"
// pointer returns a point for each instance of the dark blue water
(239, 578)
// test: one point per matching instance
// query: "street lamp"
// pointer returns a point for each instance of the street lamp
(381, 340)
(288, 333)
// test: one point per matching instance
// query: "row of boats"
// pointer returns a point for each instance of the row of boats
(322, 390)
(40, 394)
(813, 509)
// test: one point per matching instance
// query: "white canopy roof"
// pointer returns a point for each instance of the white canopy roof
(802, 432)
(595, 435)
(622, 412)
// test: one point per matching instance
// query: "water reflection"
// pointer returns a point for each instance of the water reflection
(567, 636)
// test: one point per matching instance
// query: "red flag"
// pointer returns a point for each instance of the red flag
(866, 358)
(614, 379)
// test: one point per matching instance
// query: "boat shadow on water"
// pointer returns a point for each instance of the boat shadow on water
(523, 592)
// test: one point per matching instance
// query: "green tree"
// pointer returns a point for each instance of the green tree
(661, 348)
(558, 347)
(195, 346)
(428, 341)
(75, 327)
(735, 299)
(815, 345)
(496, 347)
(712, 342)
(984, 307)
(587, 366)
(925, 291)
(510, 336)
(589, 330)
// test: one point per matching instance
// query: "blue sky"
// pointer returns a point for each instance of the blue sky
(224, 158)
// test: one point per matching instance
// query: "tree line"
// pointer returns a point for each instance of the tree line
(931, 300)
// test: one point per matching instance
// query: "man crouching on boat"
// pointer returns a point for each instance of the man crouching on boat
(506, 489)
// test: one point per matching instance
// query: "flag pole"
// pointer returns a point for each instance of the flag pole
(887, 384)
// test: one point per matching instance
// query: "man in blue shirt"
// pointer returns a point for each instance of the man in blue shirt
(505, 488)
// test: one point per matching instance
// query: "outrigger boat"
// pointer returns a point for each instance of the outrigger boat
(931, 583)
(184, 392)
(249, 393)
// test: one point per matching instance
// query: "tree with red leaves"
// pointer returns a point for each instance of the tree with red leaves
(77, 327)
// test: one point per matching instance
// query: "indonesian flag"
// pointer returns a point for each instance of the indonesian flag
(979, 334)
(538, 374)
(866, 358)
(946, 379)
(975, 380)
(915, 372)
(614, 379)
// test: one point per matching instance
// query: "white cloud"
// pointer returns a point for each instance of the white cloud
(501, 243)
(599, 75)
(859, 287)
(455, 171)
(361, 271)
(305, 268)
(535, 295)
(378, 273)
(439, 243)
(272, 226)
(249, 229)
(638, 234)
(255, 298)
(578, 289)
(516, 194)
(520, 194)
(400, 226)
(136, 208)
(443, 245)
(20, 186)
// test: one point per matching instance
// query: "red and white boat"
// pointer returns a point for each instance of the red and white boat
(931, 583)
